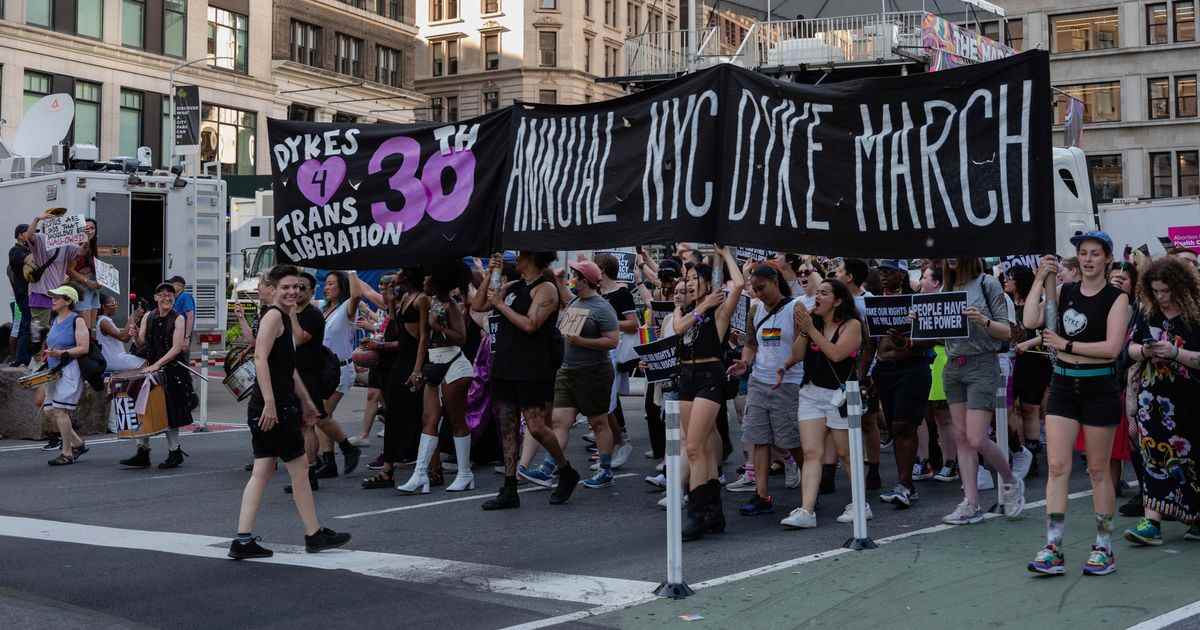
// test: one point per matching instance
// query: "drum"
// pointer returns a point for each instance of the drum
(37, 379)
(240, 381)
(124, 388)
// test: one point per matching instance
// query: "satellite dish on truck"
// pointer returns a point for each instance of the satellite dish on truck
(44, 125)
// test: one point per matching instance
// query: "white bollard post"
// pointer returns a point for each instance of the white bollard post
(858, 491)
(1001, 426)
(203, 388)
(674, 587)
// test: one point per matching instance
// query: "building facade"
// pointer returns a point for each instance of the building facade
(482, 55)
(346, 60)
(1135, 66)
(116, 57)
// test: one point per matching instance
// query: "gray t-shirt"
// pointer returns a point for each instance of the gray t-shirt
(990, 301)
(601, 319)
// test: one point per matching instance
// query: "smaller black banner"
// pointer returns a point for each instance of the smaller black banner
(626, 263)
(658, 312)
(1029, 260)
(187, 116)
(939, 315)
(888, 312)
(661, 358)
(743, 254)
(741, 314)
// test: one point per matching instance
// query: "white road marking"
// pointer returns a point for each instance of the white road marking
(1166, 619)
(581, 589)
(116, 440)
(472, 497)
(770, 568)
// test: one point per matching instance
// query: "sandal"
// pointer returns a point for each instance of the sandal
(62, 460)
(80, 450)
(377, 482)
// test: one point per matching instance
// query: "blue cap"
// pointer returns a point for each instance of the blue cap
(1094, 235)
(510, 256)
(899, 264)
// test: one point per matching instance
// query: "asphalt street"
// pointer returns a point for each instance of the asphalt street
(96, 546)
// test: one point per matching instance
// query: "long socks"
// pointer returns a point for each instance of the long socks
(1056, 525)
(1104, 530)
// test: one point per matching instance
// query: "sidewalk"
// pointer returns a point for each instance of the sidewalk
(971, 576)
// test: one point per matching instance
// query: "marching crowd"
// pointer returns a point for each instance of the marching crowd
(498, 362)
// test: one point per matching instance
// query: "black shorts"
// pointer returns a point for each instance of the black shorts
(702, 380)
(523, 394)
(1094, 401)
(903, 389)
(1031, 377)
(377, 378)
(284, 441)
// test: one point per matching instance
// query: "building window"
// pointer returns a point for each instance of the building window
(549, 5)
(1101, 101)
(610, 12)
(654, 21)
(306, 43)
(228, 136)
(451, 108)
(302, 113)
(443, 10)
(436, 109)
(1185, 21)
(1156, 23)
(491, 101)
(548, 97)
(1189, 173)
(343, 117)
(611, 61)
(633, 16)
(587, 54)
(491, 6)
(389, 70)
(1078, 32)
(348, 57)
(228, 39)
(1015, 34)
(87, 113)
(174, 27)
(39, 13)
(393, 9)
(1160, 98)
(452, 47)
(89, 18)
(1185, 97)
(37, 85)
(547, 49)
(1106, 176)
(131, 123)
(438, 55)
(491, 51)
(1160, 175)
(133, 23)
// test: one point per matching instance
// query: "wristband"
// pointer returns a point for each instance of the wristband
(1070, 347)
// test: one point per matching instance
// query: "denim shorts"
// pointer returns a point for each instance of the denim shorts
(972, 380)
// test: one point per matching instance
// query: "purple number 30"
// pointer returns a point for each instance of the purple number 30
(423, 196)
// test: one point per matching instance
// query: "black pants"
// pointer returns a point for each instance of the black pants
(403, 411)
(656, 423)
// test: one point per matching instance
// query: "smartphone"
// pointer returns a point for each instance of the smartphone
(1149, 341)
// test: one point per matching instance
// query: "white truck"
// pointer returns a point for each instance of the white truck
(1137, 222)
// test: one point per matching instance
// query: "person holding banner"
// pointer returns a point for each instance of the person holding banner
(82, 273)
(1084, 392)
(772, 391)
(527, 355)
(971, 379)
(703, 325)
(51, 264)
(446, 376)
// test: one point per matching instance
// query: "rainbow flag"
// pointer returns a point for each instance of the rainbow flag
(647, 335)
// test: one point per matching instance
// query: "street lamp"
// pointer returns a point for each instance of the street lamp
(171, 151)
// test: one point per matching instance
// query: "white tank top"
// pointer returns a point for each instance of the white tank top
(775, 335)
(339, 332)
(113, 349)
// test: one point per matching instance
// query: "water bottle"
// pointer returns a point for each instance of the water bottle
(495, 280)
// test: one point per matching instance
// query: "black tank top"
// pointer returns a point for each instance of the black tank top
(1084, 319)
(822, 372)
(520, 356)
(282, 362)
(702, 341)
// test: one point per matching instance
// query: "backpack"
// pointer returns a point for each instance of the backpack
(33, 272)
(91, 365)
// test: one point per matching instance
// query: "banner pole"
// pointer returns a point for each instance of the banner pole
(858, 492)
(674, 587)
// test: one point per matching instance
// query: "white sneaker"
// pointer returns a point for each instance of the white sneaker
(358, 440)
(983, 480)
(649, 454)
(791, 474)
(379, 434)
(800, 518)
(590, 437)
(1022, 460)
(662, 503)
(848, 514)
(964, 514)
(1012, 496)
(621, 454)
(658, 481)
(741, 484)
(499, 470)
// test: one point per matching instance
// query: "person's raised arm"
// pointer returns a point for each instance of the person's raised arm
(141, 338)
(355, 298)
(107, 327)
(366, 291)
(480, 301)
(545, 305)
(737, 283)
(1033, 314)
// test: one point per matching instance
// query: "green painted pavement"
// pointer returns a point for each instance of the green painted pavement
(972, 576)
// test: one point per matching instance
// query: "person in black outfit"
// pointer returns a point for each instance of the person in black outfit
(277, 406)
(20, 289)
(162, 343)
(527, 355)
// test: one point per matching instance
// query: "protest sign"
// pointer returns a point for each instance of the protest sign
(661, 358)
(572, 321)
(939, 315)
(626, 263)
(888, 312)
(64, 230)
(108, 276)
(740, 314)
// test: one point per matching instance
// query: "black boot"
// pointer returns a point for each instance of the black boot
(714, 515)
(695, 513)
(873, 481)
(828, 477)
(350, 455)
(507, 499)
(140, 460)
(312, 481)
(174, 458)
(327, 469)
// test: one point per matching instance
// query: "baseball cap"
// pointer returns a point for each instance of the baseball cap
(68, 292)
(510, 256)
(899, 264)
(1099, 236)
(588, 269)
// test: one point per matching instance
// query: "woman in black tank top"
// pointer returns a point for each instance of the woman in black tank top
(702, 325)
(1084, 390)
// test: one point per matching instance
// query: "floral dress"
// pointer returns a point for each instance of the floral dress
(1168, 423)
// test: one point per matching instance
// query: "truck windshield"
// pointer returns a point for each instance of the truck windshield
(263, 260)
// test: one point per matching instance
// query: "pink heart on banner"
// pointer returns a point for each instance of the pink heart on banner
(319, 181)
